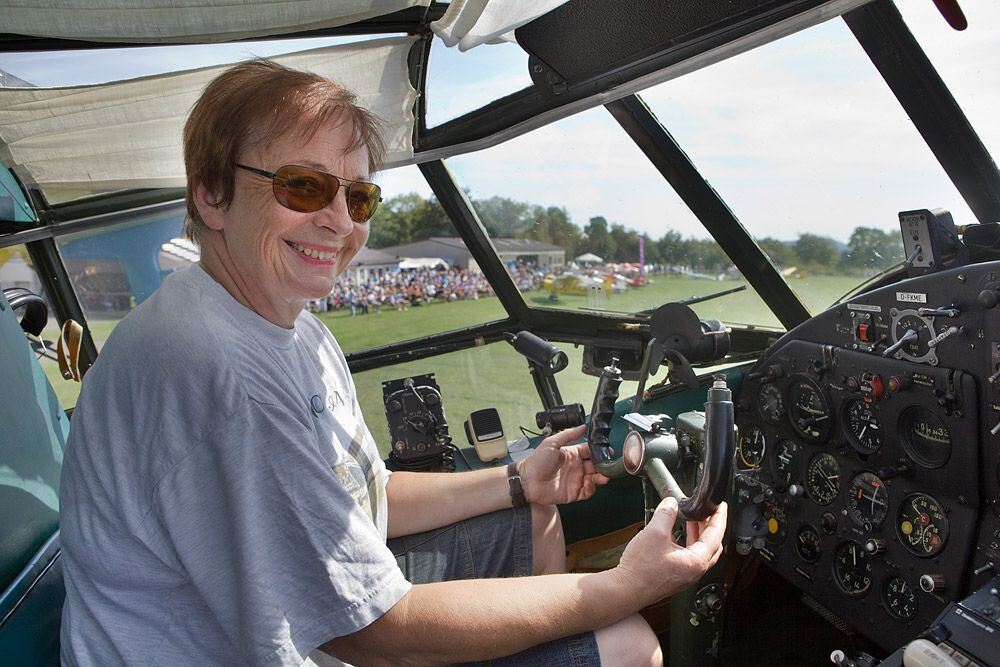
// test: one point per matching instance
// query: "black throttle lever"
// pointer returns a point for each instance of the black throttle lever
(599, 429)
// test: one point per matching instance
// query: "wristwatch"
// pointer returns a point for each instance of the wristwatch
(514, 482)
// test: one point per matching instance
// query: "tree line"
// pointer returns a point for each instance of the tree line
(409, 218)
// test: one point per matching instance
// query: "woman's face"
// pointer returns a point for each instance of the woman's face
(271, 249)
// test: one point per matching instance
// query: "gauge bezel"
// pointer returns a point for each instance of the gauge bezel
(780, 419)
(943, 529)
(819, 541)
(885, 594)
(808, 484)
(853, 438)
(904, 426)
(823, 431)
(797, 463)
(836, 574)
(928, 357)
(855, 514)
(744, 433)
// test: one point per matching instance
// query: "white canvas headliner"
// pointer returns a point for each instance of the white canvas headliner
(127, 134)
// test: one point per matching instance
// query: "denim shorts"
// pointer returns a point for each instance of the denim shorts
(489, 546)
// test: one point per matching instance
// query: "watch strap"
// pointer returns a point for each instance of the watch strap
(514, 482)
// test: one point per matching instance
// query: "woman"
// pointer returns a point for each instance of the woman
(223, 501)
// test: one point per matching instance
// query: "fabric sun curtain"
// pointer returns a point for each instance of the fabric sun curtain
(127, 134)
(166, 21)
(469, 23)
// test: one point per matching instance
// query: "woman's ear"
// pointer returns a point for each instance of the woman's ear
(212, 214)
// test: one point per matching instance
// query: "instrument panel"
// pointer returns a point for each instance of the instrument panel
(868, 460)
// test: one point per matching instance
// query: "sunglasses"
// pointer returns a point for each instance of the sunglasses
(307, 190)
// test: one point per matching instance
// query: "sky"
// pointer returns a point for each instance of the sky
(801, 135)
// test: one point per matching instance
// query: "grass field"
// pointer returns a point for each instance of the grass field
(495, 375)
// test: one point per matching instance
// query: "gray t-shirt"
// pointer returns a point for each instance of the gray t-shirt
(222, 499)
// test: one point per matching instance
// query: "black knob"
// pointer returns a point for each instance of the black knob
(828, 522)
(988, 298)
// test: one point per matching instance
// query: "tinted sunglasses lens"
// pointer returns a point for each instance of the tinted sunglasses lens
(304, 190)
(362, 200)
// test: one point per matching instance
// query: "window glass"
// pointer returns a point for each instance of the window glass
(813, 153)
(13, 205)
(415, 279)
(580, 187)
(461, 82)
(17, 270)
(113, 269)
(965, 60)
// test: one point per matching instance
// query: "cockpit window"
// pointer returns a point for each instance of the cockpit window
(628, 242)
(812, 152)
(965, 60)
(461, 82)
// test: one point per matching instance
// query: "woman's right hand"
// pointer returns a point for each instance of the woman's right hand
(654, 566)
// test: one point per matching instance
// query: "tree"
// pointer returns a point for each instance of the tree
(505, 218)
(407, 218)
(671, 248)
(626, 243)
(706, 255)
(871, 249)
(552, 225)
(597, 239)
(817, 252)
(782, 254)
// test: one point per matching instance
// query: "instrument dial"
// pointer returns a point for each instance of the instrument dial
(808, 409)
(864, 430)
(926, 438)
(867, 500)
(788, 456)
(916, 348)
(823, 478)
(808, 545)
(770, 403)
(852, 568)
(752, 446)
(921, 525)
(900, 599)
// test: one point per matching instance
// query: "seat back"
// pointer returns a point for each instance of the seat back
(33, 430)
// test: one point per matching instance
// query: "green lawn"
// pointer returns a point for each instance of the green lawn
(495, 375)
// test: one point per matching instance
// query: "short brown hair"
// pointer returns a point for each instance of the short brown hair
(249, 106)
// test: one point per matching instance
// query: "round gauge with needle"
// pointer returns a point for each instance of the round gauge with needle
(808, 409)
(770, 403)
(921, 525)
(852, 568)
(751, 446)
(807, 544)
(823, 478)
(867, 500)
(900, 599)
(864, 430)
(788, 456)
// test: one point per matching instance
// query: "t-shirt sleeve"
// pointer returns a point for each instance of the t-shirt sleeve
(276, 546)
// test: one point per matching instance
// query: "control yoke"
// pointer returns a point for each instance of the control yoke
(647, 454)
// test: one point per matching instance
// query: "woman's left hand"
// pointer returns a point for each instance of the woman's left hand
(557, 472)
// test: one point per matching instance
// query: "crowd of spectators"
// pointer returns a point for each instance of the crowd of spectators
(403, 289)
